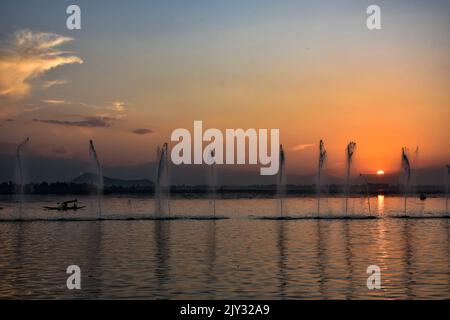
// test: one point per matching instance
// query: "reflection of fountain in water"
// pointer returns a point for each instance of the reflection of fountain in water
(211, 247)
(97, 179)
(349, 258)
(281, 180)
(350, 151)
(322, 158)
(408, 274)
(282, 262)
(406, 167)
(321, 263)
(212, 181)
(162, 256)
(20, 177)
(162, 185)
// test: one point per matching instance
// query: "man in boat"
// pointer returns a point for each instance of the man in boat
(65, 205)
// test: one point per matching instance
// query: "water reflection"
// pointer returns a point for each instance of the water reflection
(211, 244)
(349, 258)
(282, 259)
(228, 259)
(408, 256)
(380, 202)
(162, 256)
(321, 259)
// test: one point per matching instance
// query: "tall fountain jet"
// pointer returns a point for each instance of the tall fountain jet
(281, 181)
(406, 167)
(447, 189)
(20, 175)
(350, 151)
(162, 187)
(212, 181)
(322, 159)
(98, 177)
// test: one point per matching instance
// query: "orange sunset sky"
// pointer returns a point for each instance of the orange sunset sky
(137, 71)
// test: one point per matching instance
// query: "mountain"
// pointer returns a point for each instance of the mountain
(90, 178)
(57, 169)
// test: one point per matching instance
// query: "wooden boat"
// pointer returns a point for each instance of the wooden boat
(59, 208)
(64, 206)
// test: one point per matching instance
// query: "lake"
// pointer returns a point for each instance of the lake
(241, 257)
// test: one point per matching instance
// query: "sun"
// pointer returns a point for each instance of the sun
(380, 172)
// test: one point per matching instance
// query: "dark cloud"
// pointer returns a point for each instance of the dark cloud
(91, 122)
(142, 131)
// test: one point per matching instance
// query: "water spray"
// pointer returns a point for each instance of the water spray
(322, 159)
(351, 148)
(98, 182)
(281, 178)
(406, 166)
(367, 191)
(448, 185)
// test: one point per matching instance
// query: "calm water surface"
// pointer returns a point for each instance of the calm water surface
(237, 258)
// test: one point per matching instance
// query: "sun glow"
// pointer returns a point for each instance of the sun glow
(380, 172)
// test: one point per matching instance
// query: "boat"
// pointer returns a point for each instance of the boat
(64, 206)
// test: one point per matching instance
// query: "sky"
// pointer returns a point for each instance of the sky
(137, 70)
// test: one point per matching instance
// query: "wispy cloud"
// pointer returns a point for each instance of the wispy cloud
(89, 122)
(119, 106)
(50, 83)
(115, 109)
(29, 55)
(302, 146)
(66, 103)
(142, 131)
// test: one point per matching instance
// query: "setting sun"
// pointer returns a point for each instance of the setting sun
(380, 172)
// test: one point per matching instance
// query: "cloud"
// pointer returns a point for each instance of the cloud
(89, 122)
(66, 103)
(115, 110)
(302, 146)
(50, 83)
(142, 131)
(28, 56)
(119, 106)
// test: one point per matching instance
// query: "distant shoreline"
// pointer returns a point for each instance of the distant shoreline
(224, 191)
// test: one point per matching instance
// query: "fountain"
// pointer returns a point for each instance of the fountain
(212, 181)
(281, 183)
(322, 158)
(98, 177)
(406, 166)
(162, 188)
(367, 192)
(351, 147)
(447, 189)
(20, 176)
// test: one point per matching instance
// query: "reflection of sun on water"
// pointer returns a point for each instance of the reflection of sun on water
(380, 204)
